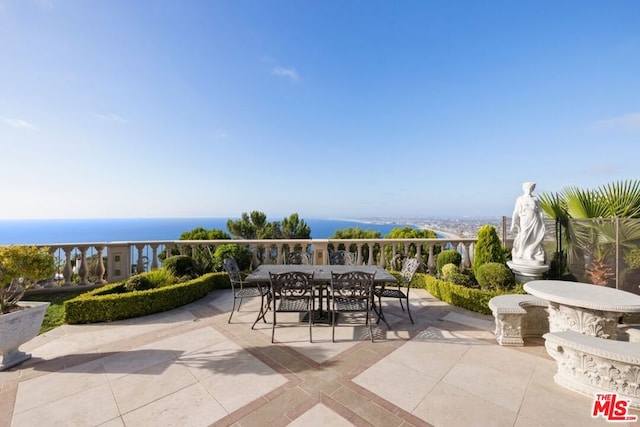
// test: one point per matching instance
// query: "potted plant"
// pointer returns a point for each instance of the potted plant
(20, 268)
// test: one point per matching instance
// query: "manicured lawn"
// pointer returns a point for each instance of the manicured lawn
(54, 316)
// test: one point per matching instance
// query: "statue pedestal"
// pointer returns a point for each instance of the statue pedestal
(526, 271)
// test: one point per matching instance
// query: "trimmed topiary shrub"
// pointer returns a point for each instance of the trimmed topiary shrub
(450, 256)
(241, 254)
(488, 248)
(494, 275)
(180, 266)
(472, 299)
(139, 282)
(111, 302)
(464, 277)
(448, 271)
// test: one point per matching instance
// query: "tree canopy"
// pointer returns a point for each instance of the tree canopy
(254, 225)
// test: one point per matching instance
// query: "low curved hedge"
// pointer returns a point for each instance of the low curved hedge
(112, 302)
(472, 299)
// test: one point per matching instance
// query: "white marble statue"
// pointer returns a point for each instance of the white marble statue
(528, 222)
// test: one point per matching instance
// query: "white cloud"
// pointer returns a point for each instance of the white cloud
(18, 123)
(114, 118)
(289, 73)
(627, 122)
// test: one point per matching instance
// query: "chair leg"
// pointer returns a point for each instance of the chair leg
(333, 323)
(273, 326)
(409, 308)
(262, 312)
(370, 325)
(232, 308)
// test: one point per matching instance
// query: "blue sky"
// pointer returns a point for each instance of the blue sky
(331, 109)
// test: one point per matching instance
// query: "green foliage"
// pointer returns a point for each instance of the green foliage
(472, 299)
(356, 233)
(20, 268)
(411, 233)
(449, 256)
(180, 266)
(464, 277)
(200, 233)
(488, 248)
(448, 270)
(632, 258)
(110, 303)
(255, 226)
(241, 254)
(149, 280)
(494, 275)
(294, 228)
(139, 282)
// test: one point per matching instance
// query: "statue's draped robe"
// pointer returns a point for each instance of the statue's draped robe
(527, 245)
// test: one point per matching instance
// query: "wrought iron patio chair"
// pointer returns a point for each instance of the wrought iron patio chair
(241, 290)
(342, 257)
(351, 292)
(399, 291)
(292, 292)
(298, 258)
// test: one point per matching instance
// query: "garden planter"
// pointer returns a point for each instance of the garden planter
(18, 327)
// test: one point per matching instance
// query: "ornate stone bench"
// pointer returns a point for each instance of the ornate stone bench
(591, 365)
(518, 317)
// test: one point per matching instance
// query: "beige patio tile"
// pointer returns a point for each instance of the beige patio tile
(401, 385)
(143, 387)
(87, 408)
(320, 416)
(448, 405)
(54, 386)
(192, 406)
(246, 380)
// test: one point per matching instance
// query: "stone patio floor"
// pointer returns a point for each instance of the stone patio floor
(189, 367)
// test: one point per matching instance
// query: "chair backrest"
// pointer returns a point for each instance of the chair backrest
(409, 268)
(342, 258)
(231, 267)
(352, 284)
(292, 284)
(298, 258)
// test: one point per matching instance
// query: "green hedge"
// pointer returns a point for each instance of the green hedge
(472, 299)
(112, 302)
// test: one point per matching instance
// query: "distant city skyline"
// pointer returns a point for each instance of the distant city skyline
(359, 109)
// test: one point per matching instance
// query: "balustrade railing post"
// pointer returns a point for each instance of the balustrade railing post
(431, 262)
(466, 259)
(83, 271)
(383, 262)
(100, 270)
(140, 264)
(67, 272)
(154, 256)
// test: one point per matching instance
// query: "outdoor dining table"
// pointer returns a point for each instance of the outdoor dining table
(583, 307)
(321, 278)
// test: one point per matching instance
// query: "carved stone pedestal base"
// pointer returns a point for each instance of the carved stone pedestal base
(526, 272)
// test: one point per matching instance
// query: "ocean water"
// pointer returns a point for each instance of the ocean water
(53, 231)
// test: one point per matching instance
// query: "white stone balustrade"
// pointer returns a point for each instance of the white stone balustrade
(101, 262)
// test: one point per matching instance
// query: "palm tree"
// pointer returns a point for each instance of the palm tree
(590, 220)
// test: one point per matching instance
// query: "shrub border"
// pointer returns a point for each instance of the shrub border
(106, 304)
(472, 299)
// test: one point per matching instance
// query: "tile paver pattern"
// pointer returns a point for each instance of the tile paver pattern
(188, 367)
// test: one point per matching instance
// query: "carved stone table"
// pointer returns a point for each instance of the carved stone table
(584, 308)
